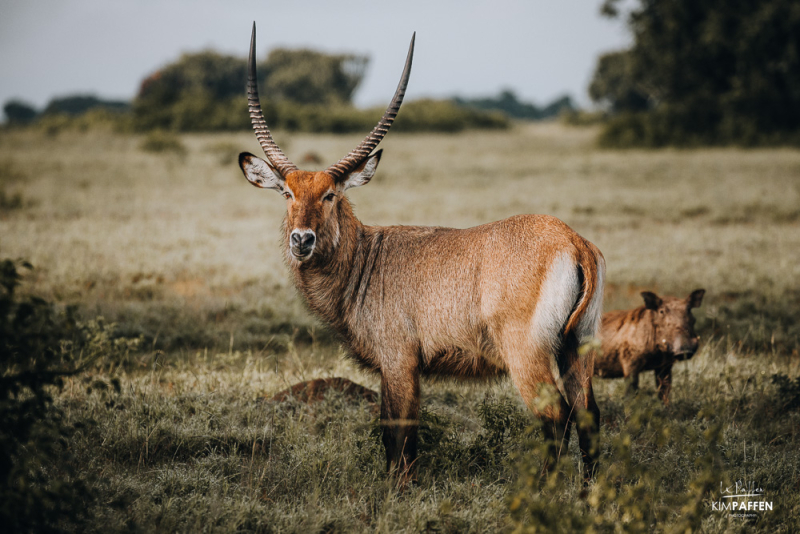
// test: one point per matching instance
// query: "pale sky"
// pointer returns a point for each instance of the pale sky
(539, 49)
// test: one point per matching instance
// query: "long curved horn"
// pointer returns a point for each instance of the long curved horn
(272, 151)
(357, 155)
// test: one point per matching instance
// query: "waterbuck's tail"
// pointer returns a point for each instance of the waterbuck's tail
(574, 367)
(584, 322)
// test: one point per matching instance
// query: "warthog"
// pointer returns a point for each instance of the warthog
(651, 337)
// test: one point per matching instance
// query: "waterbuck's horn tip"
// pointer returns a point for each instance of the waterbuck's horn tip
(345, 165)
(271, 149)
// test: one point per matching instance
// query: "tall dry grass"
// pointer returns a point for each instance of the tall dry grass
(140, 235)
(168, 241)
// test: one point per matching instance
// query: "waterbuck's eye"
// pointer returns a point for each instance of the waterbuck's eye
(329, 197)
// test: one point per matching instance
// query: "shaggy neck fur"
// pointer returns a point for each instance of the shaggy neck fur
(335, 279)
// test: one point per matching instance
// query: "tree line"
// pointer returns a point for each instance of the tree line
(703, 72)
(301, 90)
(699, 72)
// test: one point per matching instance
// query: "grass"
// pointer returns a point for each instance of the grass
(176, 247)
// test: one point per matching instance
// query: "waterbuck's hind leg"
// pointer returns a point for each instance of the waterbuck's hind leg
(588, 435)
(556, 430)
(400, 418)
(530, 370)
(577, 380)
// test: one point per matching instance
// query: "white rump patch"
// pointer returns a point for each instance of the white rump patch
(557, 297)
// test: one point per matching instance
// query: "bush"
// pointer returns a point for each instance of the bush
(583, 118)
(9, 175)
(788, 392)
(639, 488)
(428, 115)
(19, 113)
(159, 141)
(39, 489)
(670, 126)
(98, 118)
(508, 103)
(80, 104)
(10, 201)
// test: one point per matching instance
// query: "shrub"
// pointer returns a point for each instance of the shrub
(10, 201)
(788, 392)
(160, 141)
(446, 116)
(39, 489)
(98, 118)
(19, 113)
(80, 104)
(637, 490)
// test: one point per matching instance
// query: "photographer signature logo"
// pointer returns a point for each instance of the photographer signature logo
(742, 499)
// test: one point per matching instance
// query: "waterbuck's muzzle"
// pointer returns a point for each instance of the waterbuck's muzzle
(301, 244)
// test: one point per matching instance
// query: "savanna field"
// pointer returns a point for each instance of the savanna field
(170, 263)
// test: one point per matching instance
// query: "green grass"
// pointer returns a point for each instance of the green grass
(176, 247)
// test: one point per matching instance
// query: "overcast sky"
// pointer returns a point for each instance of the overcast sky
(540, 49)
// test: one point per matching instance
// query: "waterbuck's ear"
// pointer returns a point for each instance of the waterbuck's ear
(363, 173)
(696, 298)
(651, 300)
(260, 173)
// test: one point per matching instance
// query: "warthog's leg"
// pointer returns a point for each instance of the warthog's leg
(400, 416)
(664, 383)
(631, 372)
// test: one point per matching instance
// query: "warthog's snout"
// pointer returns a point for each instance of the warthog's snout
(687, 349)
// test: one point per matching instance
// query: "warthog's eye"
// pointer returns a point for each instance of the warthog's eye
(329, 197)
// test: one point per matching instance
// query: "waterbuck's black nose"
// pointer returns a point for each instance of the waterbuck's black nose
(302, 242)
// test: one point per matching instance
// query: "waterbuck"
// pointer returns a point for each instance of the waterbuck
(515, 297)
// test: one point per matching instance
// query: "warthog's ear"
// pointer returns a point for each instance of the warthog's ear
(651, 300)
(696, 298)
(363, 173)
(260, 173)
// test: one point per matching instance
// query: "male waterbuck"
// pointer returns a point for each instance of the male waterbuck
(650, 337)
(515, 297)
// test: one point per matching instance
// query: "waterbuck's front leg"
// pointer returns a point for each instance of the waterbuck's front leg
(400, 415)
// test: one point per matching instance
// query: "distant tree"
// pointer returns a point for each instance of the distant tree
(713, 71)
(218, 75)
(18, 112)
(205, 91)
(311, 77)
(191, 94)
(508, 103)
(80, 104)
(614, 85)
(557, 107)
